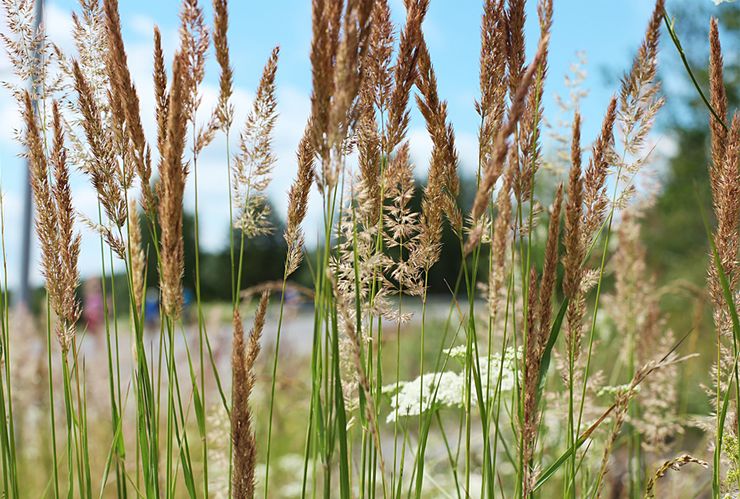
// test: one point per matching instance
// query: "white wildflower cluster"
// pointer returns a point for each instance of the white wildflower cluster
(410, 398)
(447, 389)
(490, 366)
(493, 365)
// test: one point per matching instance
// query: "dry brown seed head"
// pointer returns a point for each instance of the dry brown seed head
(298, 202)
(171, 187)
(243, 357)
(718, 96)
(224, 110)
(404, 75)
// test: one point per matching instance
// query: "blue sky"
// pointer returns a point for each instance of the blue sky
(608, 32)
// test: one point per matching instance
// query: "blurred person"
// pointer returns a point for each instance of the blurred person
(93, 310)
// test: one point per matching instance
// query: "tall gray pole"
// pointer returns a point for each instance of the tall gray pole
(24, 293)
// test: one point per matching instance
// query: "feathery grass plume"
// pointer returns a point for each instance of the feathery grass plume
(404, 75)
(138, 258)
(123, 96)
(725, 184)
(674, 464)
(380, 51)
(499, 243)
(90, 77)
(494, 166)
(718, 96)
(243, 357)
(20, 49)
(161, 96)
(253, 165)
(339, 55)
(90, 38)
(224, 112)
(515, 19)
(529, 131)
(368, 149)
(331, 63)
(549, 270)
(298, 203)
(402, 224)
(534, 347)
(103, 169)
(69, 243)
(171, 188)
(326, 16)
(194, 40)
(493, 78)
(443, 185)
(595, 198)
(60, 246)
(349, 73)
(357, 262)
(726, 204)
(639, 103)
(574, 249)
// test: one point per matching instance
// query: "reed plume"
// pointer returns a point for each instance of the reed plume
(138, 258)
(404, 75)
(243, 357)
(368, 151)
(124, 97)
(493, 168)
(253, 165)
(515, 19)
(529, 136)
(499, 243)
(224, 112)
(534, 347)
(161, 95)
(574, 249)
(718, 96)
(326, 17)
(349, 74)
(639, 103)
(725, 184)
(60, 246)
(298, 204)
(493, 77)
(549, 270)
(339, 51)
(194, 41)
(402, 225)
(171, 188)
(380, 51)
(103, 170)
(726, 236)
(443, 185)
(595, 198)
